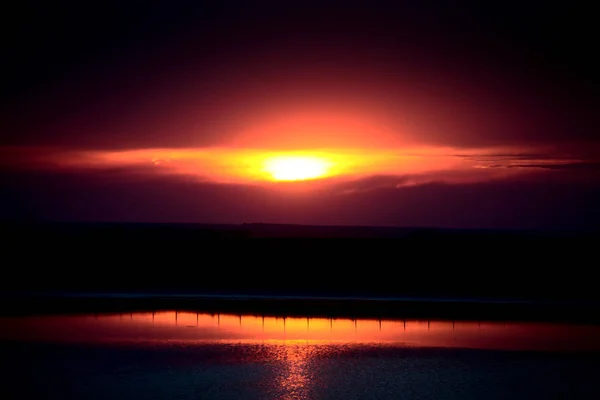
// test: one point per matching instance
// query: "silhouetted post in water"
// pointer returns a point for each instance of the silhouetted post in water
(284, 324)
(218, 320)
(240, 320)
(176, 317)
(263, 323)
(196, 319)
(380, 323)
(307, 324)
(152, 316)
(404, 325)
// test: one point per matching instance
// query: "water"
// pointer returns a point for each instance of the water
(188, 355)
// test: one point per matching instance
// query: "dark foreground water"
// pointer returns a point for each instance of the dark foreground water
(183, 355)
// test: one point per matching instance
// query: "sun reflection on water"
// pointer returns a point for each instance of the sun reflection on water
(192, 327)
(290, 346)
(293, 380)
(283, 355)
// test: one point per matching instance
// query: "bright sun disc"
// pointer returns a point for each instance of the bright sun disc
(296, 168)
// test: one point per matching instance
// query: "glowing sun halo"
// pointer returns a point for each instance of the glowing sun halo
(296, 168)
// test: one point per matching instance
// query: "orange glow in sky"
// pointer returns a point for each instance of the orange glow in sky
(306, 146)
(312, 128)
(422, 164)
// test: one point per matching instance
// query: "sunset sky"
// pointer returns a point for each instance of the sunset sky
(440, 114)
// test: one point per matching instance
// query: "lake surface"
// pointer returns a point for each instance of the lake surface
(186, 355)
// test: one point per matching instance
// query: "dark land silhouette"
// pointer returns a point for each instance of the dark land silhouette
(300, 260)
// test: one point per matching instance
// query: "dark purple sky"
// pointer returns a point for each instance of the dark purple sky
(510, 87)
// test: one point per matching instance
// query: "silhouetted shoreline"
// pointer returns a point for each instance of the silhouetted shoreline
(535, 275)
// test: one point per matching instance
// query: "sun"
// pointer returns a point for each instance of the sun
(296, 168)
